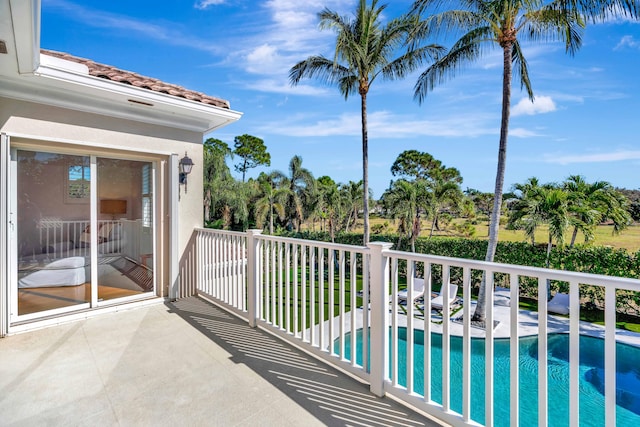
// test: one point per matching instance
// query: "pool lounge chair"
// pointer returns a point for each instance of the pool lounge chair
(437, 302)
(559, 304)
(418, 290)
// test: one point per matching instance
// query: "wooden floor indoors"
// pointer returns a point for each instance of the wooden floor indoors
(33, 300)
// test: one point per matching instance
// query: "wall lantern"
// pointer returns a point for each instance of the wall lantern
(185, 166)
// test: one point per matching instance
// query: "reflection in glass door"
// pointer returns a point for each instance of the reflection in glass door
(125, 225)
(53, 205)
(61, 247)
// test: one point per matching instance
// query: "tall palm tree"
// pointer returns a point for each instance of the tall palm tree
(505, 24)
(365, 49)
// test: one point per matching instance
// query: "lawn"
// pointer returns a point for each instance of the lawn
(629, 239)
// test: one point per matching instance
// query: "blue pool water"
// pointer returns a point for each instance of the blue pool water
(591, 377)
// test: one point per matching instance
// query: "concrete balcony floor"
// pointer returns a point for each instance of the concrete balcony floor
(183, 363)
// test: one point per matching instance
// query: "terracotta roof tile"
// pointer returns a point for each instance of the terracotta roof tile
(127, 77)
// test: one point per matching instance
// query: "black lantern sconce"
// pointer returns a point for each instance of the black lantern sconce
(185, 166)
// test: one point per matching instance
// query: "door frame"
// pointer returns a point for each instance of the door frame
(9, 319)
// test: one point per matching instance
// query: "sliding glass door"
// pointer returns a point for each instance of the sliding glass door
(84, 231)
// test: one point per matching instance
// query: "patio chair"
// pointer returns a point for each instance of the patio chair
(418, 290)
(437, 302)
(559, 304)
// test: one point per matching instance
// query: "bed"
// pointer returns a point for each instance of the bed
(62, 272)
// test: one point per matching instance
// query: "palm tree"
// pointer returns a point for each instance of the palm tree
(443, 194)
(351, 195)
(505, 24)
(525, 211)
(273, 197)
(405, 200)
(364, 50)
(590, 204)
(301, 185)
(538, 205)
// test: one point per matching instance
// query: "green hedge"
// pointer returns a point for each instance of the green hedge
(588, 259)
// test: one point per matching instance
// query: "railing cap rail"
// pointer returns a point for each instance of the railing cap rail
(522, 270)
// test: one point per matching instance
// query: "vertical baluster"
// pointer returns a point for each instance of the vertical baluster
(610, 356)
(295, 290)
(489, 350)
(428, 289)
(303, 292)
(352, 310)
(365, 318)
(394, 322)
(332, 333)
(543, 379)
(446, 334)
(466, 345)
(321, 288)
(411, 274)
(280, 290)
(341, 302)
(514, 349)
(574, 354)
(287, 256)
(312, 295)
(274, 314)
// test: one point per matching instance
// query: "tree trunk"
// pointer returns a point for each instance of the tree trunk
(271, 220)
(479, 314)
(365, 167)
(573, 236)
(207, 206)
(433, 226)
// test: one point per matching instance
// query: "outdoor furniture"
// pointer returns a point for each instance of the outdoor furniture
(437, 302)
(559, 303)
(418, 290)
(502, 296)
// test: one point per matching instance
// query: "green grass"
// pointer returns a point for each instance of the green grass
(629, 239)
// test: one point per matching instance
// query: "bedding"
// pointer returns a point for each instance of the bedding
(63, 272)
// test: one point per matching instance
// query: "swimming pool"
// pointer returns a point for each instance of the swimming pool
(591, 377)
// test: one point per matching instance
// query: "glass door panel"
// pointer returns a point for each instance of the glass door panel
(125, 228)
(53, 229)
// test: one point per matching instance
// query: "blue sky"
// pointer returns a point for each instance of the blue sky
(585, 120)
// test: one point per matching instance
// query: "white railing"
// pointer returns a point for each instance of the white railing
(341, 303)
(62, 238)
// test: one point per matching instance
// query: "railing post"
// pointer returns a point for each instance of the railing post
(379, 332)
(253, 293)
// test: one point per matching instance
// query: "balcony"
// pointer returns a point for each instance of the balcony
(182, 363)
(257, 315)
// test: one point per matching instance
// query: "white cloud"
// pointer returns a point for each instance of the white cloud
(615, 156)
(522, 133)
(541, 105)
(627, 41)
(203, 4)
(281, 86)
(383, 124)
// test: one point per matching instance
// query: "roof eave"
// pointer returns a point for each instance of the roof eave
(83, 92)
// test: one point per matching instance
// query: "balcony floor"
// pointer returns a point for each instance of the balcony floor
(184, 363)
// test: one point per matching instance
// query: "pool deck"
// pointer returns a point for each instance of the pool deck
(527, 325)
